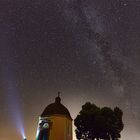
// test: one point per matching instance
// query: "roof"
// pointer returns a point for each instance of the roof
(56, 108)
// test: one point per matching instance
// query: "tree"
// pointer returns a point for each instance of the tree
(93, 123)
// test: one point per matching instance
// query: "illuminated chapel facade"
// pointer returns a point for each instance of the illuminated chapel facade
(55, 123)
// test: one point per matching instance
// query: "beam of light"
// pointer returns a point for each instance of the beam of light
(9, 79)
(13, 98)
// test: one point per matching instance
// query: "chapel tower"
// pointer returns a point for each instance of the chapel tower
(55, 123)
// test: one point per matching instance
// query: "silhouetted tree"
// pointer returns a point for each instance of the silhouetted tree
(93, 123)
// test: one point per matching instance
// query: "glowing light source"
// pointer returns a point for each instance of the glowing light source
(23, 134)
(24, 138)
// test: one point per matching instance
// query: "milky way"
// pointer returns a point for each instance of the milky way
(88, 49)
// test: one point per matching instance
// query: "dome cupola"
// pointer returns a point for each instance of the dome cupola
(56, 108)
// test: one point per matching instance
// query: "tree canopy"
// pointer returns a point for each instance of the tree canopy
(93, 123)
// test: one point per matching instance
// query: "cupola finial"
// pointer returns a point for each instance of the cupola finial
(59, 93)
(58, 99)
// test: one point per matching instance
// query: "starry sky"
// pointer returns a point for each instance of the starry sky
(87, 49)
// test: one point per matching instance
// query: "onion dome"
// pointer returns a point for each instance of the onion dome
(56, 108)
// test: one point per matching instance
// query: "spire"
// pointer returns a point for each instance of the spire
(59, 93)
(58, 99)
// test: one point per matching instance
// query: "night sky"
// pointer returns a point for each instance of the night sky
(87, 49)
